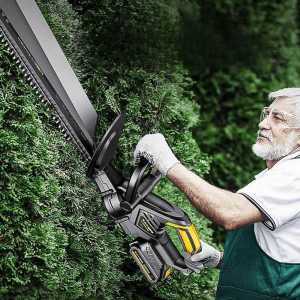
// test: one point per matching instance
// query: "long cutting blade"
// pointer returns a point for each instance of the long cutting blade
(33, 45)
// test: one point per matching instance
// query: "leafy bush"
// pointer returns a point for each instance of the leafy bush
(196, 71)
(56, 239)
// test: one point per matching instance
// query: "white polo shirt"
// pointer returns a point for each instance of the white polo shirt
(276, 193)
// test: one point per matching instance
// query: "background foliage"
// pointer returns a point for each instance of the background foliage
(197, 71)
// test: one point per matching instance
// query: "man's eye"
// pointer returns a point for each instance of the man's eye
(278, 117)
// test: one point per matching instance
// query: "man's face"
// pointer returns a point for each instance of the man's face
(276, 135)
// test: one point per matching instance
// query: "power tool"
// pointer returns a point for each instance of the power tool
(130, 202)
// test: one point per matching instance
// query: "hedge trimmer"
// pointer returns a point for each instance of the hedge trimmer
(129, 201)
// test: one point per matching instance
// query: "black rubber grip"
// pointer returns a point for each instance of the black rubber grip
(172, 251)
(161, 203)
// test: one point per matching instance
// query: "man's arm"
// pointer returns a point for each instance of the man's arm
(230, 210)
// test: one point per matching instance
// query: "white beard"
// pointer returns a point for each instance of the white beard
(275, 151)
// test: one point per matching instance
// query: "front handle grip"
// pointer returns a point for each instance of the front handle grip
(171, 251)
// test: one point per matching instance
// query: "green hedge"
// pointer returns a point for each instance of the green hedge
(197, 71)
(57, 241)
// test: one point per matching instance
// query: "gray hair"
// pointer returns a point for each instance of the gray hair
(293, 95)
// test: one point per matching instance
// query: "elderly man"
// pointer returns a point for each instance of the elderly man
(262, 250)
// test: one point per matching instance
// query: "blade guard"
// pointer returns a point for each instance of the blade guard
(106, 148)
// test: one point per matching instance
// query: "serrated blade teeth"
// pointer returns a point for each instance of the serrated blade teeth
(32, 75)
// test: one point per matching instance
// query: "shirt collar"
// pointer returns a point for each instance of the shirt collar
(290, 156)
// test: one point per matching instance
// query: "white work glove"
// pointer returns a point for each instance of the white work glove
(209, 257)
(155, 149)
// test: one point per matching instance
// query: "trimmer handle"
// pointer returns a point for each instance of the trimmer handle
(141, 183)
(174, 217)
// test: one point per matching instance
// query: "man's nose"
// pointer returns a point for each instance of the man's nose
(264, 124)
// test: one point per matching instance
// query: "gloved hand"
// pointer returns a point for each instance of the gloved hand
(209, 257)
(156, 150)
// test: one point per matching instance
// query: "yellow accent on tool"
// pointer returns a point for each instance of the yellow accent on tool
(189, 237)
(142, 265)
(168, 272)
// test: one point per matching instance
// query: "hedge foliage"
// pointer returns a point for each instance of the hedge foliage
(196, 71)
(55, 241)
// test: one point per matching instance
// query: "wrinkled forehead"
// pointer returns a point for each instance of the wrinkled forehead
(284, 104)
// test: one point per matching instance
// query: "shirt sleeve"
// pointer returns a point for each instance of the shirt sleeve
(276, 193)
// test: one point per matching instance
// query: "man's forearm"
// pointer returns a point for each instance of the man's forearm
(222, 207)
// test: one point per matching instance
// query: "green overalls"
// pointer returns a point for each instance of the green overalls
(250, 274)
